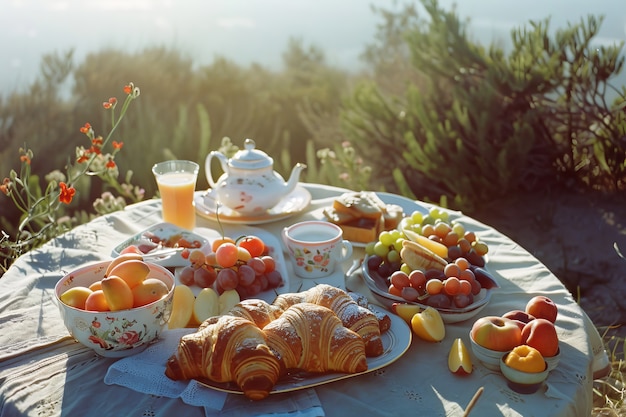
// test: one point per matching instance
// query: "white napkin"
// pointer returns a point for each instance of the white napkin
(145, 373)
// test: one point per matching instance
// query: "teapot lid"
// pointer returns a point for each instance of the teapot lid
(250, 158)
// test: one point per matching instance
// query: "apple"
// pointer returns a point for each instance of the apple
(542, 307)
(496, 333)
(428, 325)
(519, 317)
(459, 361)
(405, 311)
(541, 334)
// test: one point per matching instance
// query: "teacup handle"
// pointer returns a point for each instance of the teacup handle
(346, 250)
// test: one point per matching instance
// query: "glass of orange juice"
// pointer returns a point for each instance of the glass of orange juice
(177, 182)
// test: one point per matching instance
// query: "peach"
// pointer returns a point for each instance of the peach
(542, 307)
(496, 333)
(541, 335)
(519, 317)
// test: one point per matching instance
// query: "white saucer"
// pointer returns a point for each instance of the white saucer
(293, 203)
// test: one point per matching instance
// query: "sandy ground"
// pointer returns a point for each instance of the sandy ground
(574, 235)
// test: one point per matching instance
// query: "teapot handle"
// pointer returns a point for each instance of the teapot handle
(207, 166)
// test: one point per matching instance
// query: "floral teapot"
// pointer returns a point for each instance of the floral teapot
(249, 184)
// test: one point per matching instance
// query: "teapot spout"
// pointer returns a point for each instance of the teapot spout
(294, 177)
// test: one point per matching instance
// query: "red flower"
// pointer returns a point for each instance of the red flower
(110, 164)
(25, 158)
(95, 339)
(85, 129)
(110, 104)
(129, 338)
(66, 194)
(128, 88)
(4, 187)
(117, 145)
(95, 324)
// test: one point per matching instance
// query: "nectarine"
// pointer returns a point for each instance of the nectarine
(541, 334)
(542, 307)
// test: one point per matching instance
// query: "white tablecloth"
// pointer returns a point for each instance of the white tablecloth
(44, 372)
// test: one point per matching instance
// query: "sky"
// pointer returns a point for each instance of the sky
(245, 30)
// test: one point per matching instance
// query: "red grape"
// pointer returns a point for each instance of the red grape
(205, 276)
(227, 279)
(258, 265)
(246, 275)
(274, 279)
(186, 275)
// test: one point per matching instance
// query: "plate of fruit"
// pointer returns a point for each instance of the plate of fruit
(164, 244)
(238, 264)
(445, 269)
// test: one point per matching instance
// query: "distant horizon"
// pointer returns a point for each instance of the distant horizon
(246, 31)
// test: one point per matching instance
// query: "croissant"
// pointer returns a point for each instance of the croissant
(310, 337)
(257, 311)
(356, 318)
(225, 349)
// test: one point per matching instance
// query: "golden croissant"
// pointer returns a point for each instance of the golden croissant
(226, 349)
(310, 337)
(353, 316)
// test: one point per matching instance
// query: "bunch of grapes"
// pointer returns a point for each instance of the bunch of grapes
(454, 287)
(437, 227)
(245, 266)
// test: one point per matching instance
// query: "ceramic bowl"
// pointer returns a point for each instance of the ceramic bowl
(379, 288)
(115, 333)
(520, 381)
(553, 361)
(489, 358)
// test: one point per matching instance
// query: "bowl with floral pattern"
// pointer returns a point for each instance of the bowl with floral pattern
(119, 333)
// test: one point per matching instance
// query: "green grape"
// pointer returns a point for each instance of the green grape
(369, 248)
(395, 234)
(380, 249)
(428, 219)
(435, 213)
(405, 268)
(458, 229)
(393, 256)
(397, 245)
(407, 223)
(417, 217)
(386, 238)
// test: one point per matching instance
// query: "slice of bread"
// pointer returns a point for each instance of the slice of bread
(362, 216)
(359, 205)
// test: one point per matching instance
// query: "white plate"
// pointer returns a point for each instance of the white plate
(163, 231)
(293, 203)
(408, 207)
(396, 341)
(269, 239)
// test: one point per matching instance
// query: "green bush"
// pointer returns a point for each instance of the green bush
(473, 124)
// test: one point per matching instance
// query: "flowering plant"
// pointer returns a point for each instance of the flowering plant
(42, 213)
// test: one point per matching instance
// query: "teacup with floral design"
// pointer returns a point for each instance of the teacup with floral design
(316, 248)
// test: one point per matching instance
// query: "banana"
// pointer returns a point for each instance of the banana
(436, 247)
(133, 271)
(123, 257)
(417, 256)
